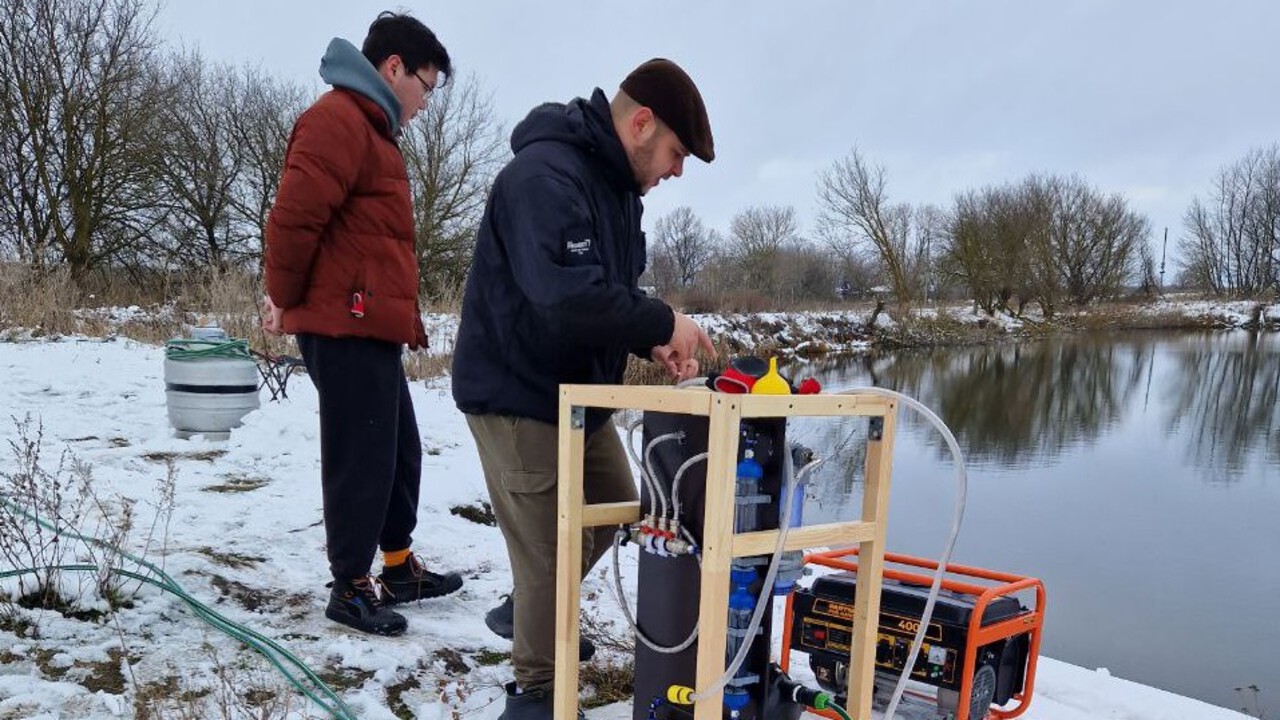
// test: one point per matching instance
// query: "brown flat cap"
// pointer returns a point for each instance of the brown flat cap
(669, 92)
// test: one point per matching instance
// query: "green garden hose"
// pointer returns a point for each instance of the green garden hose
(309, 684)
(191, 349)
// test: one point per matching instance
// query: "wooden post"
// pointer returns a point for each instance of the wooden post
(866, 606)
(568, 556)
(717, 550)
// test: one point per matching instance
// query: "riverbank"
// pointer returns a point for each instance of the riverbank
(805, 333)
(860, 329)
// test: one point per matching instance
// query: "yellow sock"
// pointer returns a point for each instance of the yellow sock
(391, 558)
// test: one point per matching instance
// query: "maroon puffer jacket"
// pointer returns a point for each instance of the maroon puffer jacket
(339, 241)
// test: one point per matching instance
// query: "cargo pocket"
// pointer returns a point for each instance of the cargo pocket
(531, 502)
(527, 482)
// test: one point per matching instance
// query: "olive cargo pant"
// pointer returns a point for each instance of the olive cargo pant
(519, 457)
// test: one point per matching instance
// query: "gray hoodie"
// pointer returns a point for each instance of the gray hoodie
(343, 66)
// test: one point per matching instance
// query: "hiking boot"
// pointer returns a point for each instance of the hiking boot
(502, 621)
(532, 704)
(357, 604)
(411, 581)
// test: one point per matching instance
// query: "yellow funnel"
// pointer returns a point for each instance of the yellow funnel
(771, 383)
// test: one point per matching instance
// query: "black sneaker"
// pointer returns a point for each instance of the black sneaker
(502, 622)
(502, 619)
(411, 581)
(356, 603)
(532, 704)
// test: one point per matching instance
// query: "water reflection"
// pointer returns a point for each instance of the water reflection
(1223, 401)
(1020, 405)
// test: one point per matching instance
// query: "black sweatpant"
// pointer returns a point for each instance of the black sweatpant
(370, 451)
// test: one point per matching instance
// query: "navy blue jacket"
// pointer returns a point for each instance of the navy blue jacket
(552, 295)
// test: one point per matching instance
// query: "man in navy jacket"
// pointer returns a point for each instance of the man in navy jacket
(552, 298)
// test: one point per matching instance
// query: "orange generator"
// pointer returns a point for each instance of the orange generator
(980, 647)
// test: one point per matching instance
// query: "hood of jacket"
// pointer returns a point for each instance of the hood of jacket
(586, 124)
(344, 66)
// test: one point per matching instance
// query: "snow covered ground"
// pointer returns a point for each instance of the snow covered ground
(245, 538)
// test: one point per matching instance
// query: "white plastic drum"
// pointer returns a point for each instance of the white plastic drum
(209, 396)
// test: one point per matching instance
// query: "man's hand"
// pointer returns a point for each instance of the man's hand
(678, 354)
(687, 337)
(680, 369)
(272, 317)
(420, 341)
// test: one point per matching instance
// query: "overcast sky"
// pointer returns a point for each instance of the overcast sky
(1147, 98)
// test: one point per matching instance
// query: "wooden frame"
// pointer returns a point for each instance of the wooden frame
(719, 543)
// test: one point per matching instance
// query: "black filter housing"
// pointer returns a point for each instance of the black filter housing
(822, 626)
(668, 593)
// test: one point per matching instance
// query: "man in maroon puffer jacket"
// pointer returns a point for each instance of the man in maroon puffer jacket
(342, 275)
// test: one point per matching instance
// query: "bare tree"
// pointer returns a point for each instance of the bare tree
(83, 95)
(1233, 242)
(978, 232)
(1036, 279)
(262, 116)
(855, 271)
(1047, 240)
(26, 94)
(855, 209)
(682, 248)
(929, 230)
(1093, 239)
(718, 277)
(203, 164)
(806, 272)
(757, 237)
(1148, 284)
(452, 156)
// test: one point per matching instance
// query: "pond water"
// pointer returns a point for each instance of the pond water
(1137, 475)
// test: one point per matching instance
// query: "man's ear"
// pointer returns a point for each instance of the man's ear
(643, 124)
(387, 69)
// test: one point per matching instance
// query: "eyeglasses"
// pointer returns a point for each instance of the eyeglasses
(427, 88)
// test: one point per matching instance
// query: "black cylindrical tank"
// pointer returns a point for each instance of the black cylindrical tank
(668, 588)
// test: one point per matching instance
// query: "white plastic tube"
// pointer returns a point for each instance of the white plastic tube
(962, 484)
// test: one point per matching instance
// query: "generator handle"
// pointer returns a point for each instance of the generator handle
(834, 559)
(1033, 625)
